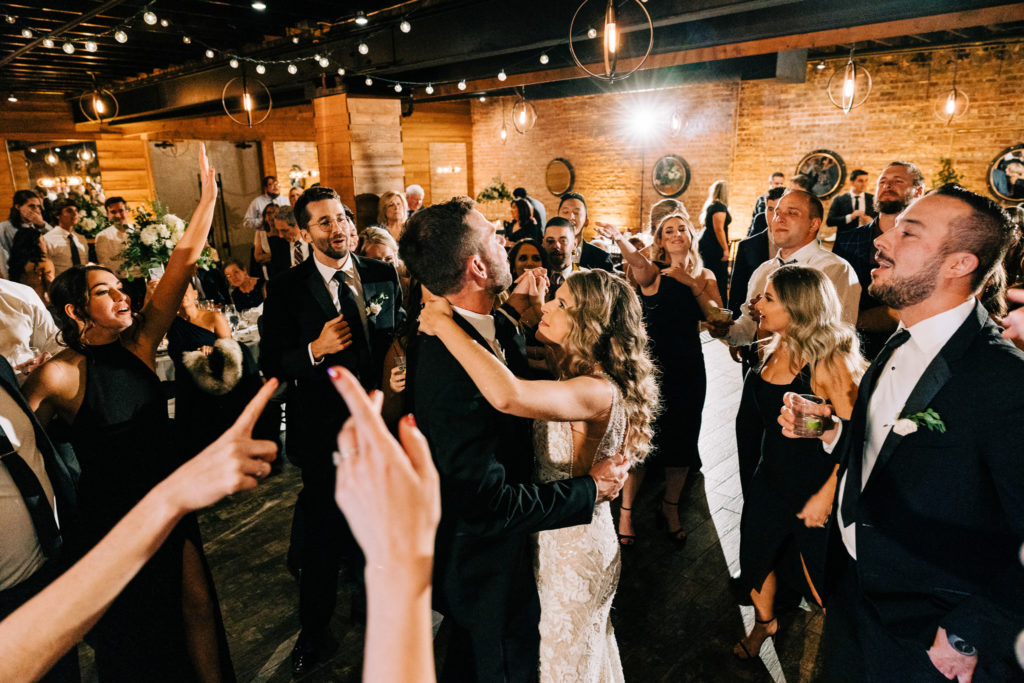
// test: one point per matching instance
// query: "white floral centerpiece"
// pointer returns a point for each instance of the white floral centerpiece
(92, 218)
(152, 238)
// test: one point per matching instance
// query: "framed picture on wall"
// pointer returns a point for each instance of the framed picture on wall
(670, 175)
(826, 168)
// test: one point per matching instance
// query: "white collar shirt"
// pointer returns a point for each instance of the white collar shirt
(24, 322)
(58, 247)
(484, 324)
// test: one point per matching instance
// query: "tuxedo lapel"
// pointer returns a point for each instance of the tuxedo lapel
(318, 289)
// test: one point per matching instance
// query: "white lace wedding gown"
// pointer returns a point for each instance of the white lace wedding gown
(577, 569)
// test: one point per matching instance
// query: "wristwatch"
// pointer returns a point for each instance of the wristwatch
(961, 645)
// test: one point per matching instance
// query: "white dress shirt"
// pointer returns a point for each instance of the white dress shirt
(58, 248)
(254, 214)
(896, 381)
(813, 255)
(484, 324)
(355, 286)
(24, 322)
(20, 554)
(109, 243)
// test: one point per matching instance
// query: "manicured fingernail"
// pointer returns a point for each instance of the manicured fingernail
(410, 420)
(333, 372)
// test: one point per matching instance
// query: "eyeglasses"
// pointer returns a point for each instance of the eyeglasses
(326, 223)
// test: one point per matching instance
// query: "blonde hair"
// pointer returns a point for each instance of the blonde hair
(718, 192)
(696, 263)
(665, 208)
(816, 332)
(382, 206)
(376, 235)
(606, 329)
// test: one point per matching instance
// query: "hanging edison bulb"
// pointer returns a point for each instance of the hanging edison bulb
(611, 49)
(246, 101)
(524, 115)
(850, 86)
(98, 105)
(954, 102)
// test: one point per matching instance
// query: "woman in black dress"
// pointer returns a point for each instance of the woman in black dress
(789, 498)
(246, 291)
(166, 624)
(714, 242)
(677, 292)
(524, 225)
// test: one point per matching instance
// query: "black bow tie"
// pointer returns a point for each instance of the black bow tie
(784, 262)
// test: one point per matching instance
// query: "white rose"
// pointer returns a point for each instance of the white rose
(904, 426)
(175, 223)
(87, 224)
(149, 235)
(163, 230)
(373, 309)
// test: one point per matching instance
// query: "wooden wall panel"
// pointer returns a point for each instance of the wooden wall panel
(7, 186)
(125, 169)
(333, 145)
(434, 122)
(376, 134)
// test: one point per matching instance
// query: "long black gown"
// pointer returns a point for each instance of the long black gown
(125, 444)
(711, 251)
(789, 472)
(671, 315)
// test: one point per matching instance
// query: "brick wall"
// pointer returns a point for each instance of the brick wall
(742, 131)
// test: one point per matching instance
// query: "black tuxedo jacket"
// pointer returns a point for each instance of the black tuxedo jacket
(940, 521)
(483, 567)
(297, 306)
(842, 206)
(61, 466)
(595, 257)
(750, 253)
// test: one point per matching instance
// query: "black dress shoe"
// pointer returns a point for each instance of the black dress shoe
(309, 653)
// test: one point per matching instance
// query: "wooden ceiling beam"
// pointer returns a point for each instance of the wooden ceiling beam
(816, 39)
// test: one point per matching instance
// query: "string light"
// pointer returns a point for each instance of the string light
(361, 18)
(120, 36)
(483, 99)
(429, 89)
(368, 81)
(149, 18)
(501, 75)
(363, 48)
(341, 71)
(591, 32)
(295, 40)
(398, 87)
(324, 62)
(91, 46)
(186, 40)
(10, 19)
(68, 48)
(261, 69)
(462, 84)
(26, 33)
(544, 59)
(165, 23)
(259, 6)
(12, 98)
(233, 63)
(48, 42)
(209, 54)
(405, 26)
(292, 69)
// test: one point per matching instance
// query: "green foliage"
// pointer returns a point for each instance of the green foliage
(497, 191)
(152, 237)
(946, 174)
(929, 419)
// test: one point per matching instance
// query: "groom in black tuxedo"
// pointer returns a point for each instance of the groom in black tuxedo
(483, 573)
(332, 309)
(923, 568)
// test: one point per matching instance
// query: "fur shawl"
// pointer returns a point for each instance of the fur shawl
(219, 372)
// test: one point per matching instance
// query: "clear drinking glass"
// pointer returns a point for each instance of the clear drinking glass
(806, 413)
(400, 363)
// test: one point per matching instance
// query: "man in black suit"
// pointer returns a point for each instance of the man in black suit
(752, 252)
(34, 479)
(483, 571)
(289, 248)
(332, 309)
(852, 208)
(923, 565)
(573, 207)
(775, 180)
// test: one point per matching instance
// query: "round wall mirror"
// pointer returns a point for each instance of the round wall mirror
(826, 169)
(559, 177)
(1006, 174)
(670, 175)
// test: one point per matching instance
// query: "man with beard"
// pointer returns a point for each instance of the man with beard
(573, 207)
(332, 309)
(900, 183)
(560, 243)
(483, 572)
(924, 576)
(271, 190)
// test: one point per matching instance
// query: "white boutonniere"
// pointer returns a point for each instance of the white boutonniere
(376, 304)
(910, 423)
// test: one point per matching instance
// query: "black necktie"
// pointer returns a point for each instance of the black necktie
(34, 496)
(350, 309)
(76, 259)
(851, 491)
(91, 247)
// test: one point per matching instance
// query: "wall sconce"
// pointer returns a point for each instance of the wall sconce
(852, 89)
(610, 42)
(242, 104)
(955, 102)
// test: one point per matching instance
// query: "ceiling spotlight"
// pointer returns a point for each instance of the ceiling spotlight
(501, 75)
(48, 42)
(591, 32)
(186, 40)
(429, 89)
(12, 98)
(398, 87)
(233, 63)
(259, 6)
(120, 36)
(368, 81)
(820, 65)
(91, 46)
(544, 59)
(292, 69)
(261, 69)
(341, 71)
(363, 48)
(26, 33)
(149, 18)
(361, 18)
(462, 84)
(165, 23)
(295, 40)
(209, 54)
(405, 26)
(69, 48)
(324, 62)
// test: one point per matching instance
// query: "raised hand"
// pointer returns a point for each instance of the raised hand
(374, 472)
(609, 232)
(234, 462)
(207, 176)
(436, 312)
(334, 337)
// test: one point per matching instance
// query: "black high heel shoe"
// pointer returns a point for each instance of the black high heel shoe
(625, 540)
(744, 653)
(677, 536)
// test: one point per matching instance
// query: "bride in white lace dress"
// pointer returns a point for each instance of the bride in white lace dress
(600, 407)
